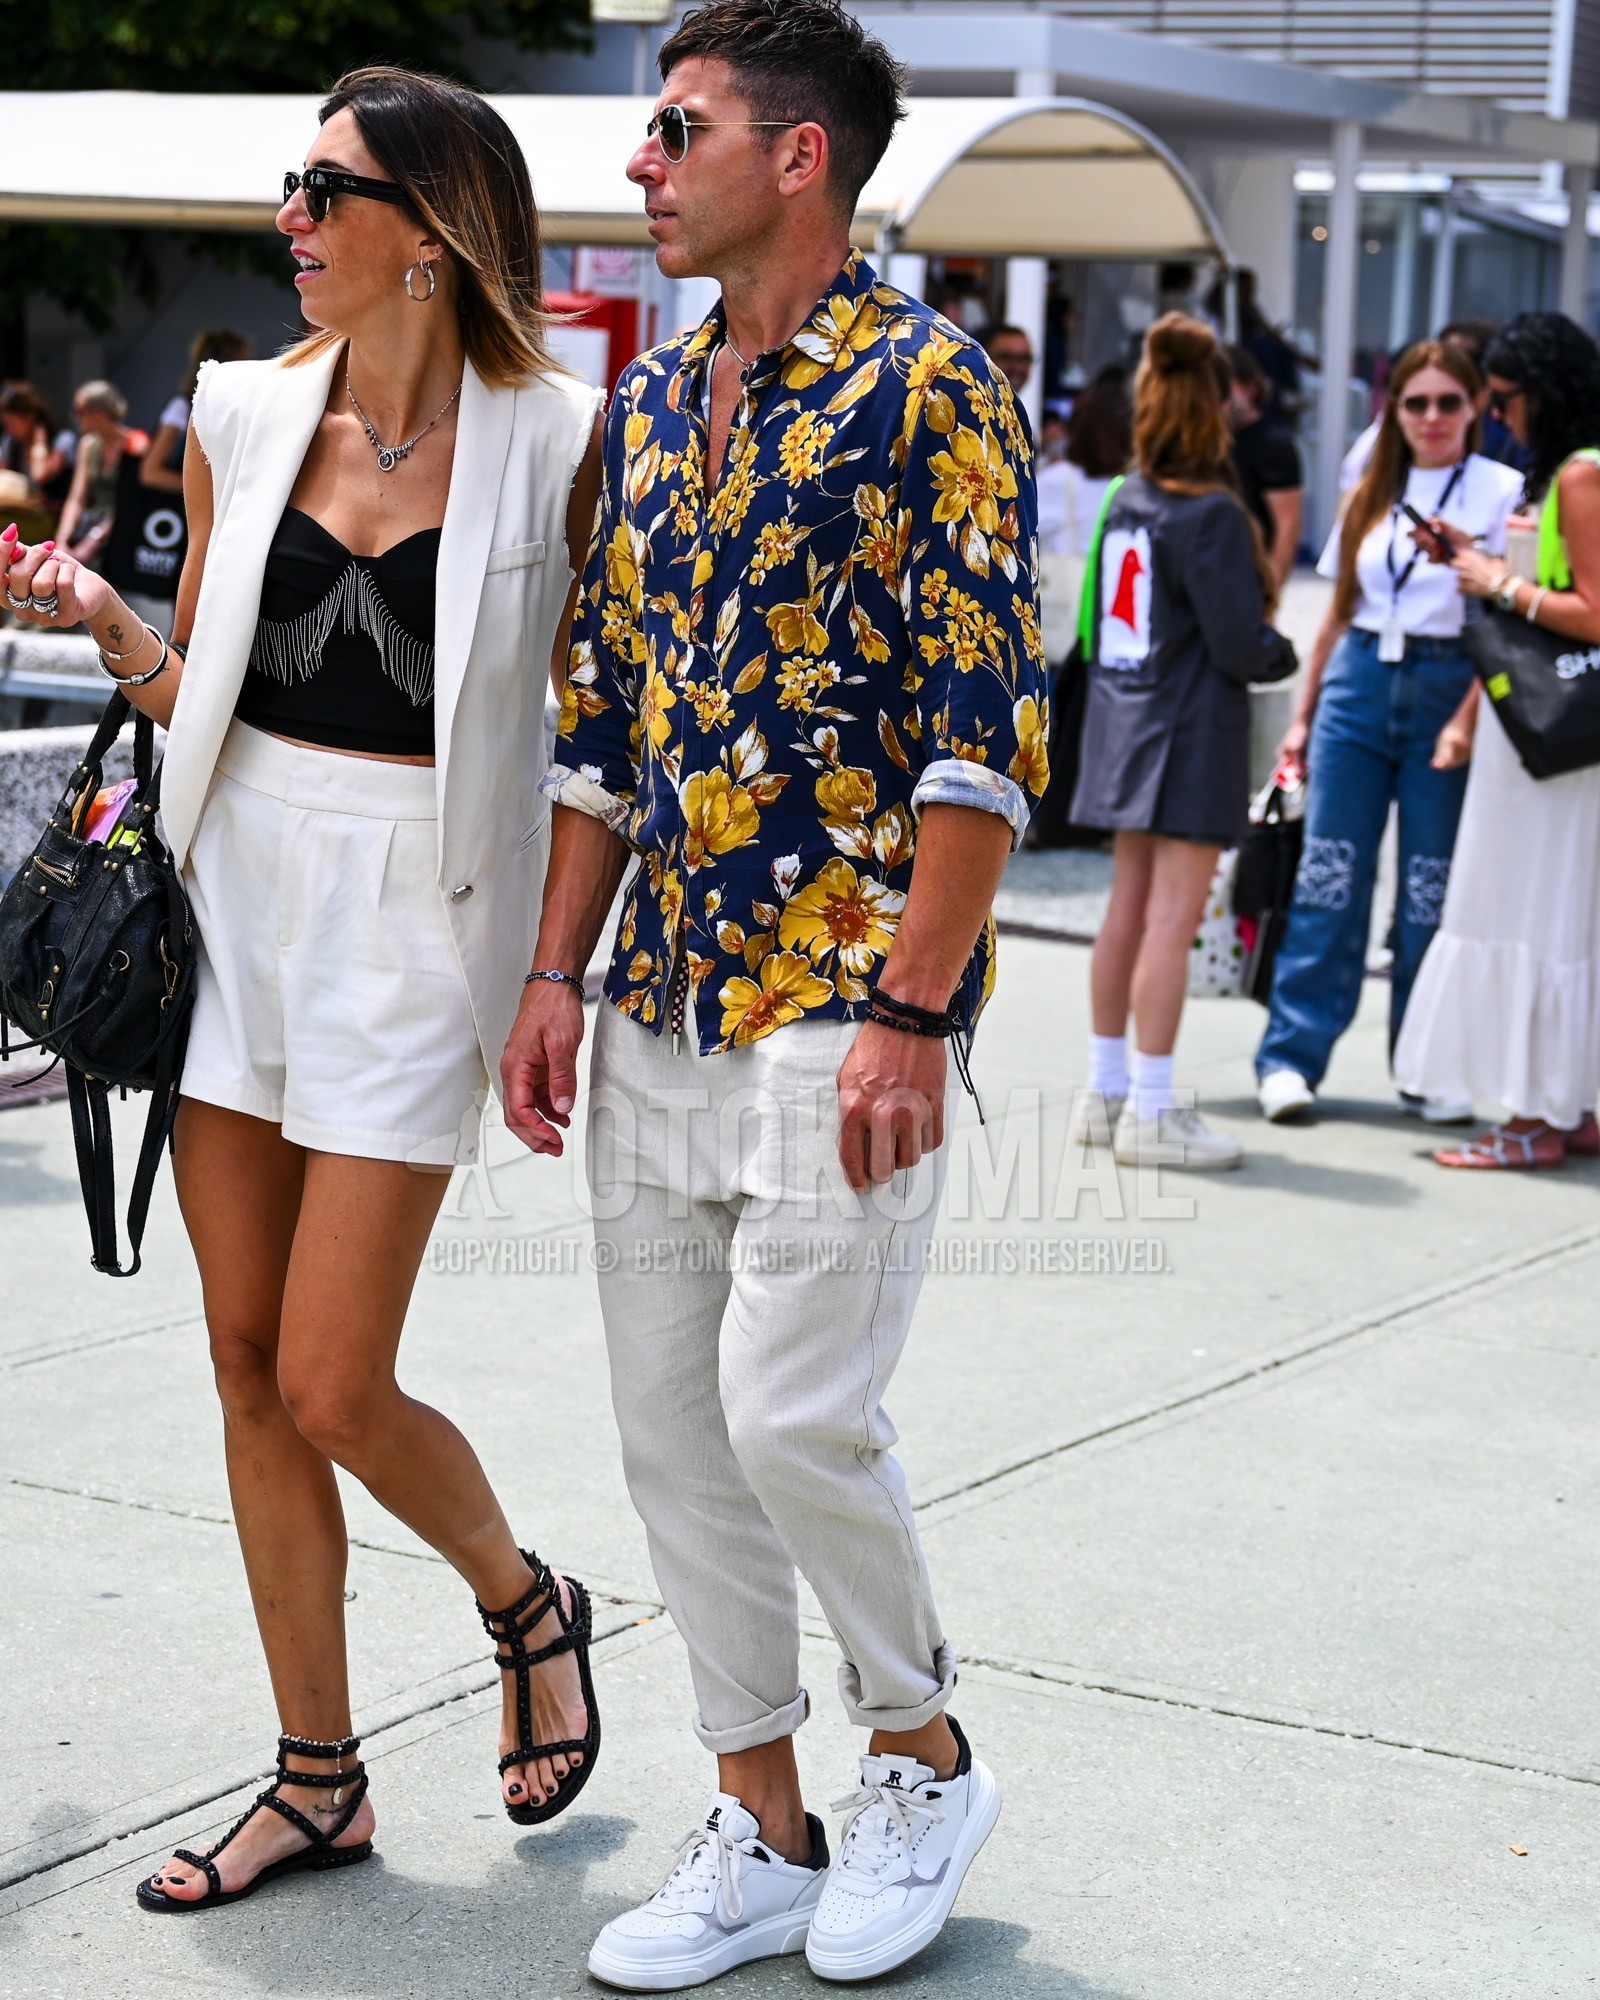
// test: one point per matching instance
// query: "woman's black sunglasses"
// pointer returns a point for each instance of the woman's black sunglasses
(1450, 404)
(320, 184)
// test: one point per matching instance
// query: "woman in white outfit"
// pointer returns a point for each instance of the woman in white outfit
(383, 526)
(1506, 1008)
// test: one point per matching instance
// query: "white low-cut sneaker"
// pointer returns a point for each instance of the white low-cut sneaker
(1180, 1138)
(909, 1839)
(1094, 1117)
(729, 1899)
(1284, 1094)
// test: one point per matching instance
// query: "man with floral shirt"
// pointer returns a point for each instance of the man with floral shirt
(806, 690)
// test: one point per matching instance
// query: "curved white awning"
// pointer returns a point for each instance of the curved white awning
(982, 176)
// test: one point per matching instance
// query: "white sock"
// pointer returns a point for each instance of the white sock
(1108, 1065)
(1152, 1084)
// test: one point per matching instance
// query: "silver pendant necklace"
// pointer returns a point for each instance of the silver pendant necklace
(390, 455)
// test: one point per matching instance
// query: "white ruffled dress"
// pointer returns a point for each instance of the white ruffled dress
(1506, 1007)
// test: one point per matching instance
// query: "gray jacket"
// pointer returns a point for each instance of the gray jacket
(1180, 636)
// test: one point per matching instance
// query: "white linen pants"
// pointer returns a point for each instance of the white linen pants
(755, 1309)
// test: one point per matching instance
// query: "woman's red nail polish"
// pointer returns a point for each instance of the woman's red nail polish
(47, 545)
(10, 534)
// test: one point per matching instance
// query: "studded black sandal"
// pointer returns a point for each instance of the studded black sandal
(349, 1788)
(509, 1630)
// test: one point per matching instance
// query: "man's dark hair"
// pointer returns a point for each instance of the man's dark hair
(1001, 329)
(806, 60)
(1247, 371)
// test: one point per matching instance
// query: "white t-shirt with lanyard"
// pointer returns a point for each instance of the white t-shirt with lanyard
(1401, 594)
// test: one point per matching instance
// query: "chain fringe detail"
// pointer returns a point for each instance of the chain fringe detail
(289, 650)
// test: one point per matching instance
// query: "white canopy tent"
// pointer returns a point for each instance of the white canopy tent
(990, 176)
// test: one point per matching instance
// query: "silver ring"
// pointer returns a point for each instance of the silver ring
(17, 603)
(47, 607)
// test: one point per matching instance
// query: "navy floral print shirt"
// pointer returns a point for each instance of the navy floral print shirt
(770, 681)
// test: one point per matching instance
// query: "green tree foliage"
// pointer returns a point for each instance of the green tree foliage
(223, 45)
(265, 45)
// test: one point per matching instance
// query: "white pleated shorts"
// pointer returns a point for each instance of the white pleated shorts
(330, 999)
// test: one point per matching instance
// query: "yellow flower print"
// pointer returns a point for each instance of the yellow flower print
(796, 627)
(882, 542)
(776, 544)
(625, 565)
(635, 431)
(578, 697)
(930, 362)
(842, 912)
(973, 477)
(620, 633)
(731, 501)
(870, 642)
(788, 987)
(843, 329)
(849, 793)
(712, 704)
(719, 815)
(801, 447)
(1031, 765)
(654, 723)
(803, 682)
(1027, 616)
(669, 899)
(934, 589)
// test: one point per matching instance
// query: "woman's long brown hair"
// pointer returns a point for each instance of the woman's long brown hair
(1384, 480)
(1181, 438)
(467, 183)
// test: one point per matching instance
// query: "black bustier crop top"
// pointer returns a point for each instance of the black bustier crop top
(343, 652)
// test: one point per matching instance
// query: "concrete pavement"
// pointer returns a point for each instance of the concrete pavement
(1266, 1533)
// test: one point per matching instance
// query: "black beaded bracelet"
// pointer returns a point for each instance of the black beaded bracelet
(905, 1014)
(563, 978)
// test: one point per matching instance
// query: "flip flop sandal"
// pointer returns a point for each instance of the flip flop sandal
(1494, 1152)
(319, 1856)
(509, 1630)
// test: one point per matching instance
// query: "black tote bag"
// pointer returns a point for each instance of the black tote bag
(1545, 690)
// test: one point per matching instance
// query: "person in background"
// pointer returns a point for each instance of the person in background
(1185, 589)
(162, 469)
(1099, 439)
(1063, 376)
(1506, 1008)
(1388, 722)
(86, 519)
(149, 538)
(1266, 462)
(1277, 358)
(31, 444)
(1011, 351)
(1495, 441)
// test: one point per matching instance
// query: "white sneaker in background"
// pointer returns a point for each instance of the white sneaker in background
(908, 1841)
(1284, 1094)
(729, 1899)
(1179, 1138)
(1437, 1110)
(1094, 1117)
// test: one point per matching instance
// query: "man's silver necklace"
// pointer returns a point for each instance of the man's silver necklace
(390, 455)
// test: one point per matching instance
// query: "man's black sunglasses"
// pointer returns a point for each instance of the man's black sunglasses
(320, 184)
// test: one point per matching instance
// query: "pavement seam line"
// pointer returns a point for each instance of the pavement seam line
(88, 1343)
(1195, 1705)
(485, 1679)
(1340, 1335)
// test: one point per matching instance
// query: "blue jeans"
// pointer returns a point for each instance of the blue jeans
(1371, 743)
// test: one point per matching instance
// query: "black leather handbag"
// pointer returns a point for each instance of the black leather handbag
(97, 965)
(1545, 690)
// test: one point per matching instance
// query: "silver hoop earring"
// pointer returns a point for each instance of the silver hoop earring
(422, 298)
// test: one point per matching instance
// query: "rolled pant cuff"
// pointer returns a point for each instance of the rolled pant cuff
(751, 1735)
(897, 1720)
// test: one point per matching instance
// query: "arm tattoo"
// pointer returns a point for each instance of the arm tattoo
(116, 634)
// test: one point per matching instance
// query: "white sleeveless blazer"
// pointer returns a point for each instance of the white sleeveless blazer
(502, 587)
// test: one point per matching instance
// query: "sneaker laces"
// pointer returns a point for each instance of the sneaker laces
(880, 1826)
(709, 1860)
